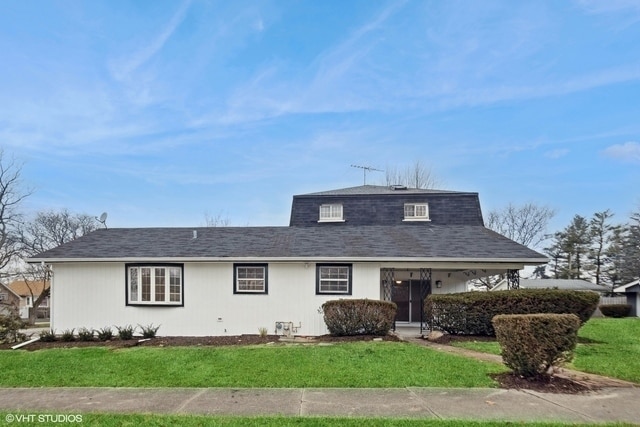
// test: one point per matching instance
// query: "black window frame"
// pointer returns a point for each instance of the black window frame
(252, 292)
(349, 280)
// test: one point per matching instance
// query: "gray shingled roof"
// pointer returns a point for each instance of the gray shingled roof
(378, 189)
(355, 242)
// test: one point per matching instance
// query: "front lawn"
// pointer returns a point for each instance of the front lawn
(358, 364)
(606, 346)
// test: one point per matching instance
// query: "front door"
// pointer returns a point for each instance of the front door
(406, 295)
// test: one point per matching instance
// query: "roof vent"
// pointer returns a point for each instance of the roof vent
(398, 187)
(195, 234)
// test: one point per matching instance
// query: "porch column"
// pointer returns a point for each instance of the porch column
(425, 289)
(388, 279)
(513, 279)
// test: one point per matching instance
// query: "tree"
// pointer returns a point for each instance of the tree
(215, 221)
(413, 176)
(12, 193)
(47, 230)
(601, 231)
(571, 246)
(526, 224)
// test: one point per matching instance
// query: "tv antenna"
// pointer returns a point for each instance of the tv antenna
(366, 169)
(103, 219)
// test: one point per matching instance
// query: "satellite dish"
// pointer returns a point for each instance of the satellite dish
(103, 219)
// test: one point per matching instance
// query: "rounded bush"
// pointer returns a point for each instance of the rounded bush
(359, 316)
(615, 310)
(533, 343)
(470, 313)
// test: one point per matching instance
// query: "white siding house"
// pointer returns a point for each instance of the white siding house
(370, 242)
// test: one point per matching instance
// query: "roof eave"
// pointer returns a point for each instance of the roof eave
(525, 261)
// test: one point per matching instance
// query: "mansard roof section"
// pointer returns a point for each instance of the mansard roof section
(381, 205)
(367, 243)
(379, 189)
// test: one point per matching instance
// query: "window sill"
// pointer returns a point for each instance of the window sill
(417, 220)
(331, 220)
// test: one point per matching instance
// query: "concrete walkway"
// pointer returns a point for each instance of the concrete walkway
(616, 404)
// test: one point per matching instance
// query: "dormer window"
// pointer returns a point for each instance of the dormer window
(331, 213)
(416, 212)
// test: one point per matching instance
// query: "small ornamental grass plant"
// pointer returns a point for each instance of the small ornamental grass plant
(68, 335)
(359, 316)
(149, 331)
(532, 343)
(125, 332)
(48, 336)
(85, 334)
(105, 334)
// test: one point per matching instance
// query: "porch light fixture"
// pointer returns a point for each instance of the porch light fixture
(438, 283)
(398, 282)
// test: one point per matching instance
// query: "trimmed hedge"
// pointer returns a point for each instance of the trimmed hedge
(470, 313)
(359, 316)
(615, 310)
(533, 343)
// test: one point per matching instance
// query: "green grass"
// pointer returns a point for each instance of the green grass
(610, 347)
(362, 364)
(113, 420)
(606, 346)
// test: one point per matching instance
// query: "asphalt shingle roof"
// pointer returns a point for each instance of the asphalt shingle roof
(378, 189)
(355, 242)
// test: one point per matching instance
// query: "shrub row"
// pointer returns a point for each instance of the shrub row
(615, 310)
(359, 316)
(533, 343)
(102, 334)
(470, 313)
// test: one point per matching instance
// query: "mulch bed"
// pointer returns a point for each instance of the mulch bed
(191, 341)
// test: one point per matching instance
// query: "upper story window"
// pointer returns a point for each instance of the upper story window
(250, 278)
(3, 296)
(154, 285)
(416, 212)
(331, 213)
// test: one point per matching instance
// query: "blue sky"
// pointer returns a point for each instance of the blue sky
(159, 112)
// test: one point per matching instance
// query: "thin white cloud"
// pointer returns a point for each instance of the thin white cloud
(627, 152)
(122, 68)
(556, 154)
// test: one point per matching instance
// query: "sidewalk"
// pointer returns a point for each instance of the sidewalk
(605, 405)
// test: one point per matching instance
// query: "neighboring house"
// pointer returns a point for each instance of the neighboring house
(9, 300)
(27, 293)
(564, 284)
(632, 292)
(382, 243)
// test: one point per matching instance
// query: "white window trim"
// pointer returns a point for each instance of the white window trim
(332, 218)
(167, 285)
(4, 296)
(416, 218)
(264, 279)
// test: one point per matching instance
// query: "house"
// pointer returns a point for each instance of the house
(376, 242)
(632, 291)
(9, 300)
(564, 284)
(22, 295)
